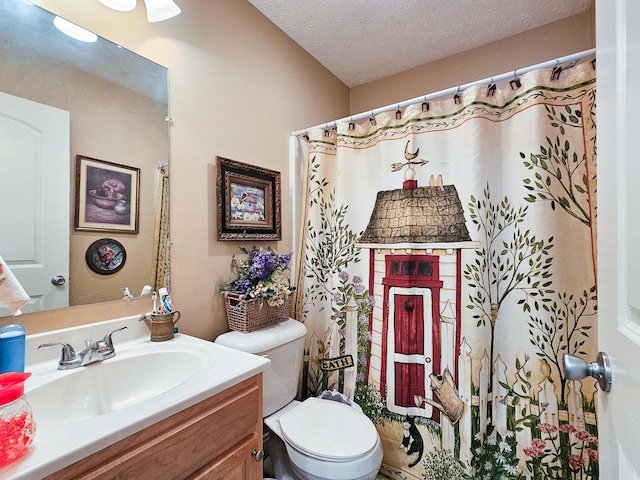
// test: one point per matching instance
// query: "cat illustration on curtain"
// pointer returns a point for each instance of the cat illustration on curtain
(412, 440)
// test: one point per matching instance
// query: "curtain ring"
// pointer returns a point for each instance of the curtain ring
(372, 119)
(398, 113)
(352, 125)
(425, 105)
(491, 88)
(515, 83)
(457, 99)
(557, 70)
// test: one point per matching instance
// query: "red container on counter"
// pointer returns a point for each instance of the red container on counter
(17, 427)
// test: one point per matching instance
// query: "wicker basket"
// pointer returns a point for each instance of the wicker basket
(249, 315)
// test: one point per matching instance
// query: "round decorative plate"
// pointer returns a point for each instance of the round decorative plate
(106, 256)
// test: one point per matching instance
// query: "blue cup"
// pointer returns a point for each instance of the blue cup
(12, 348)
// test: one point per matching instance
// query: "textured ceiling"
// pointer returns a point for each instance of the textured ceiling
(364, 40)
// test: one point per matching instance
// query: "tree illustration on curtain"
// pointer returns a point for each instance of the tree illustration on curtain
(560, 175)
(560, 178)
(511, 260)
(563, 330)
(329, 251)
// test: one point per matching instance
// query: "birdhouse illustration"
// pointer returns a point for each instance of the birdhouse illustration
(415, 237)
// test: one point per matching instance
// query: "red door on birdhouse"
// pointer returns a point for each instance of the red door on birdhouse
(411, 349)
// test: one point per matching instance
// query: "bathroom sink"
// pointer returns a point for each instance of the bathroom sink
(81, 411)
(87, 392)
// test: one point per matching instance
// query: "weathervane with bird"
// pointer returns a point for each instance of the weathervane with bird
(410, 173)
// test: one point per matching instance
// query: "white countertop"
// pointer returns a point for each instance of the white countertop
(57, 446)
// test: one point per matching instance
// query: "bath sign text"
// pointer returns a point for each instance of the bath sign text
(331, 364)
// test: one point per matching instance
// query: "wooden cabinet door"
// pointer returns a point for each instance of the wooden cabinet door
(237, 464)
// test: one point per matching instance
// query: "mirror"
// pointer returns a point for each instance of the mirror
(117, 104)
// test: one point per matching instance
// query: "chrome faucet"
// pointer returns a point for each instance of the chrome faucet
(93, 352)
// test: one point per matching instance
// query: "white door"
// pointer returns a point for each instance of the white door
(34, 216)
(618, 90)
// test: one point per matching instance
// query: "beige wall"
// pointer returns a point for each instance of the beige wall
(238, 87)
(564, 37)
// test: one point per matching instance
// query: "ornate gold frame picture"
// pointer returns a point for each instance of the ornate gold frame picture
(248, 201)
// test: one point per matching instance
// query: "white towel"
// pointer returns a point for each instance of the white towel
(12, 295)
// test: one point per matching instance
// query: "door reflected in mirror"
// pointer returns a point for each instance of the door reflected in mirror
(114, 104)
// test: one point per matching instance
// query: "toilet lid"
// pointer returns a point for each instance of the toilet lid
(328, 430)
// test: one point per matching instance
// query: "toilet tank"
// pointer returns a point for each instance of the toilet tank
(283, 344)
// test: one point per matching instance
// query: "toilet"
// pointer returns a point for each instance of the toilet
(316, 439)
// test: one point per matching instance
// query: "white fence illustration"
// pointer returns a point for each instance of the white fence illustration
(545, 394)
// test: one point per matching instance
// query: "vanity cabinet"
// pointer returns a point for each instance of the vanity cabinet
(218, 438)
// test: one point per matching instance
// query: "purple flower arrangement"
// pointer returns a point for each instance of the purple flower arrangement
(260, 275)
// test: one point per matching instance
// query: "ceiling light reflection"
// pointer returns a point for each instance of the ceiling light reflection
(74, 31)
(158, 10)
(119, 5)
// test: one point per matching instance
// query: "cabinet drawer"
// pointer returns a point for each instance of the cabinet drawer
(181, 444)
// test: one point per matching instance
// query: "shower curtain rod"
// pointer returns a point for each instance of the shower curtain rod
(453, 90)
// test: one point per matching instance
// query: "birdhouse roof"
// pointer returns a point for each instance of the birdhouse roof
(419, 215)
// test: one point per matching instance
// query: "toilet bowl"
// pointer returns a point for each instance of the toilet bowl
(325, 439)
(316, 439)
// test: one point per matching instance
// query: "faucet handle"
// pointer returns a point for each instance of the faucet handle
(68, 353)
(105, 346)
(107, 337)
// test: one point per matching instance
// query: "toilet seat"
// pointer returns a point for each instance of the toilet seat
(328, 430)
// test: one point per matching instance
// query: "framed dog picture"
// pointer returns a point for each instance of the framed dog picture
(107, 196)
(248, 201)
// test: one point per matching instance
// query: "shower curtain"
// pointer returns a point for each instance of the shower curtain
(447, 262)
(161, 259)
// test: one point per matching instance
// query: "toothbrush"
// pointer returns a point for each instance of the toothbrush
(154, 297)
